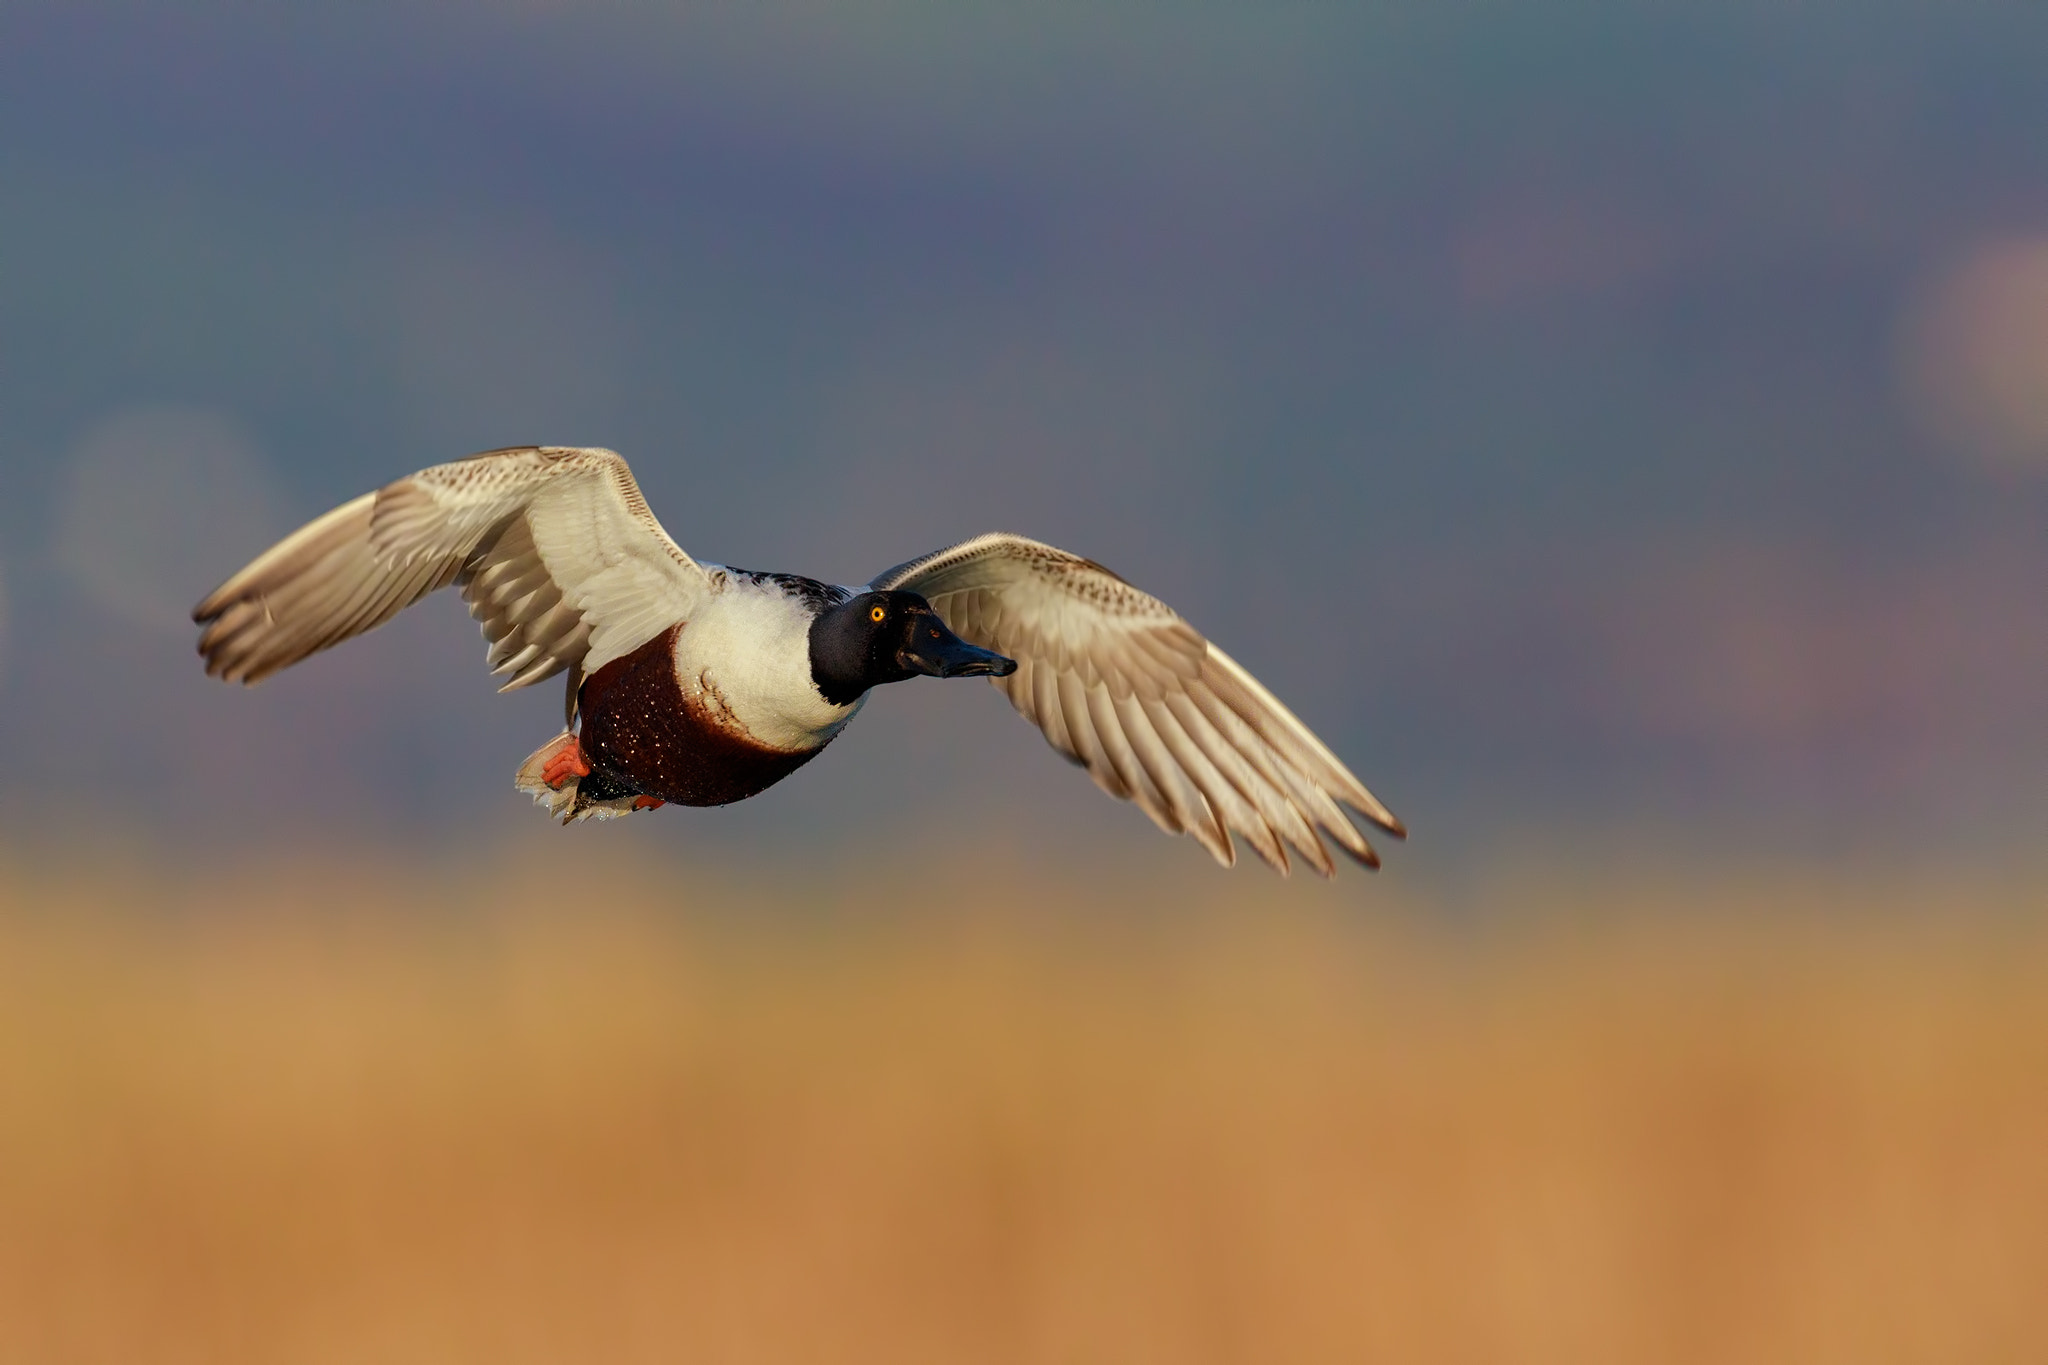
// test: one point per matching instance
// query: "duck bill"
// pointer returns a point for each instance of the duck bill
(942, 654)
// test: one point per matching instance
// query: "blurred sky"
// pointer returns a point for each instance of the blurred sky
(1580, 412)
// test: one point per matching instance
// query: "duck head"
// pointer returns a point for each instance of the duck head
(885, 637)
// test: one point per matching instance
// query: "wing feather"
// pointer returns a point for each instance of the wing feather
(1229, 809)
(1137, 784)
(1269, 813)
(1087, 739)
(1189, 806)
(1158, 715)
(1226, 744)
(553, 548)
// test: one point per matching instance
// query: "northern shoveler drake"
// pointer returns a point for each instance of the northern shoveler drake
(701, 684)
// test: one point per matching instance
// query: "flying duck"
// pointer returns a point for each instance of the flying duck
(701, 684)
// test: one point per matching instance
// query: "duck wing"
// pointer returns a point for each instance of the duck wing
(553, 547)
(1158, 715)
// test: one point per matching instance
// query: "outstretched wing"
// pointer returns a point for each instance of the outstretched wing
(553, 548)
(1123, 686)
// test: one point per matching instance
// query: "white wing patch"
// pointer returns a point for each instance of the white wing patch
(1121, 685)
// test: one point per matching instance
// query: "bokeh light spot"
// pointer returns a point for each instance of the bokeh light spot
(1977, 356)
(159, 505)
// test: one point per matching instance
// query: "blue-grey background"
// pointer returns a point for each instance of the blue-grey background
(1587, 415)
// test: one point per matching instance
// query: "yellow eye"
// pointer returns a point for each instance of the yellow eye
(876, 613)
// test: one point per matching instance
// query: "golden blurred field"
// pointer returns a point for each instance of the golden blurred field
(304, 1112)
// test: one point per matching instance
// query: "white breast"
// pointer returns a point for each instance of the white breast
(747, 651)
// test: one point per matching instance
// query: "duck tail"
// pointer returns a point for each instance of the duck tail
(566, 802)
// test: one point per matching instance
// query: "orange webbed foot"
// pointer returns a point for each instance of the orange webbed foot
(565, 763)
(647, 802)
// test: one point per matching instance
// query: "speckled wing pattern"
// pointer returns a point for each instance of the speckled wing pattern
(553, 547)
(1158, 716)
